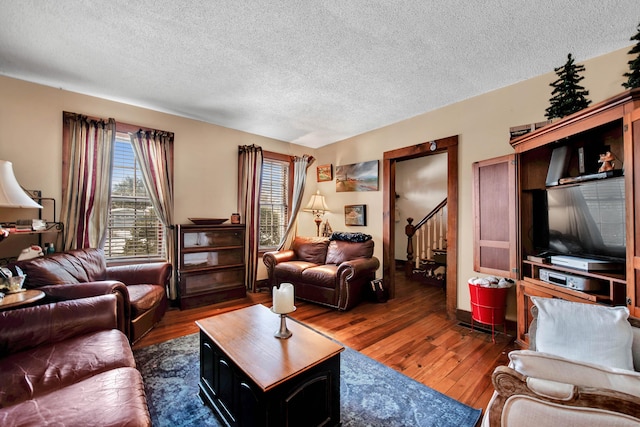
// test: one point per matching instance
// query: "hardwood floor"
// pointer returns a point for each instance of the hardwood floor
(410, 334)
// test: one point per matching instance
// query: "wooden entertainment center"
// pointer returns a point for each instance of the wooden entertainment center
(510, 193)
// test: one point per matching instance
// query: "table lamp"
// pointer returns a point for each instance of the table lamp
(11, 193)
(318, 207)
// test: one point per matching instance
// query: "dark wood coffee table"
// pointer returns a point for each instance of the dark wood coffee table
(250, 378)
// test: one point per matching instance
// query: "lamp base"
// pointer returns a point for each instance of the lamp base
(318, 221)
(283, 333)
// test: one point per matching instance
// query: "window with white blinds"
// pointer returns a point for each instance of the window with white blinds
(134, 230)
(274, 202)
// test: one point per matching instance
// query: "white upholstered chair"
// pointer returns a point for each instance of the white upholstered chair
(580, 370)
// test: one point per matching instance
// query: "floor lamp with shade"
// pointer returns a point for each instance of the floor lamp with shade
(318, 207)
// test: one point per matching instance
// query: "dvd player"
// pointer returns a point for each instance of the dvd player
(570, 280)
(586, 264)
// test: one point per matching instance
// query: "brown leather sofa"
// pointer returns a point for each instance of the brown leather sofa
(84, 272)
(324, 271)
(67, 364)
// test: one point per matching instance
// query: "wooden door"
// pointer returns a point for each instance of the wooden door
(632, 180)
(494, 216)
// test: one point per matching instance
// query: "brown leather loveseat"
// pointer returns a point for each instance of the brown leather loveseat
(330, 271)
(66, 364)
(83, 272)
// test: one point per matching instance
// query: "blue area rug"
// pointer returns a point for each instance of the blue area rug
(371, 394)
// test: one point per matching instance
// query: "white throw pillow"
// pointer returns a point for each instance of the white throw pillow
(585, 332)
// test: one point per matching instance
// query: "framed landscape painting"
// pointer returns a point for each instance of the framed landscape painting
(325, 173)
(357, 177)
(355, 215)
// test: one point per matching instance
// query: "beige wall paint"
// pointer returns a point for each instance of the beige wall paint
(206, 155)
(482, 124)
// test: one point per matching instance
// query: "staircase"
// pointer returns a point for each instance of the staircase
(428, 262)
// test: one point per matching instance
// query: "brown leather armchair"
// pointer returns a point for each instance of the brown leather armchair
(324, 271)
(82, 273)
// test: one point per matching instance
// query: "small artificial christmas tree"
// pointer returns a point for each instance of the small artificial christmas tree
(567, 96)
(633, 77)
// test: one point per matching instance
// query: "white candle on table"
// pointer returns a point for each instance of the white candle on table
(283, 298)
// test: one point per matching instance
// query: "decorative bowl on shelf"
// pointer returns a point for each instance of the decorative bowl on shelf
(208, 221)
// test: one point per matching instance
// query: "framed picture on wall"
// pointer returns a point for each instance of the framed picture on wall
(325, 173)
(355, 215)
(357, 177)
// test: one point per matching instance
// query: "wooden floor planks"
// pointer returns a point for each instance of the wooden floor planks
(410, 334)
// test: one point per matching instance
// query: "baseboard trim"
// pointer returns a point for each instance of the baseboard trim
(262, 284)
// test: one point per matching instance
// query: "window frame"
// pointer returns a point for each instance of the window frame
(271, 155)
(122, 134)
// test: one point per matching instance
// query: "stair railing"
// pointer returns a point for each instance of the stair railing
(429, 233)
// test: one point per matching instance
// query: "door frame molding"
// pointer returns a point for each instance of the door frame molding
(447, 145)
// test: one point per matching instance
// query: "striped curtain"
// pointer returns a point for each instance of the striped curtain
(154, 151)
(86, 176)
(249, 173)
(300, 166)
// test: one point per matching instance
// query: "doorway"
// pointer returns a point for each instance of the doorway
(450, 147)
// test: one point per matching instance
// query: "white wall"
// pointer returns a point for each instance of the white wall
(421, 185)
(206, 155)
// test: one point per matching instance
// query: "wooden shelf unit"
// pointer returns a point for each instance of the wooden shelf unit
(210, 264)
(20, 239)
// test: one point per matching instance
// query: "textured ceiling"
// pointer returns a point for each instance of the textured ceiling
(308, 72)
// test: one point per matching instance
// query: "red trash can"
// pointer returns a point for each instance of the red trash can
(488, 306)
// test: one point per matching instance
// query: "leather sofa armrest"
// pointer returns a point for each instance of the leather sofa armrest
(72, 291)
(273, 258)
(355, 267)
(351, 277)
(30, 327)
(156, 273)
(553, 396)
(545, 366)
(276, 257)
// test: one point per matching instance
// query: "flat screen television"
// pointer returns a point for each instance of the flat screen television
(588, 219)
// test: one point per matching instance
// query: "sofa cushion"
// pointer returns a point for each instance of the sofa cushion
(111, 398)
(30, 327)
(321, 275)
(143, 297)
(77, 266)
(291, 270)
(27, 374)
(584, 332)
(341, 251)
(310, 249)
(525, 411)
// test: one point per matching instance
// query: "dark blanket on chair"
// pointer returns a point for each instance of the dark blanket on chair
(349, 237)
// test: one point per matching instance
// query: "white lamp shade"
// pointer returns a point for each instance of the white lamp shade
(316, 204)
(11, 194)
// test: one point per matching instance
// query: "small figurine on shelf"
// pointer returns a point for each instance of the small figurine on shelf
(326, 229)
(607, 160)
